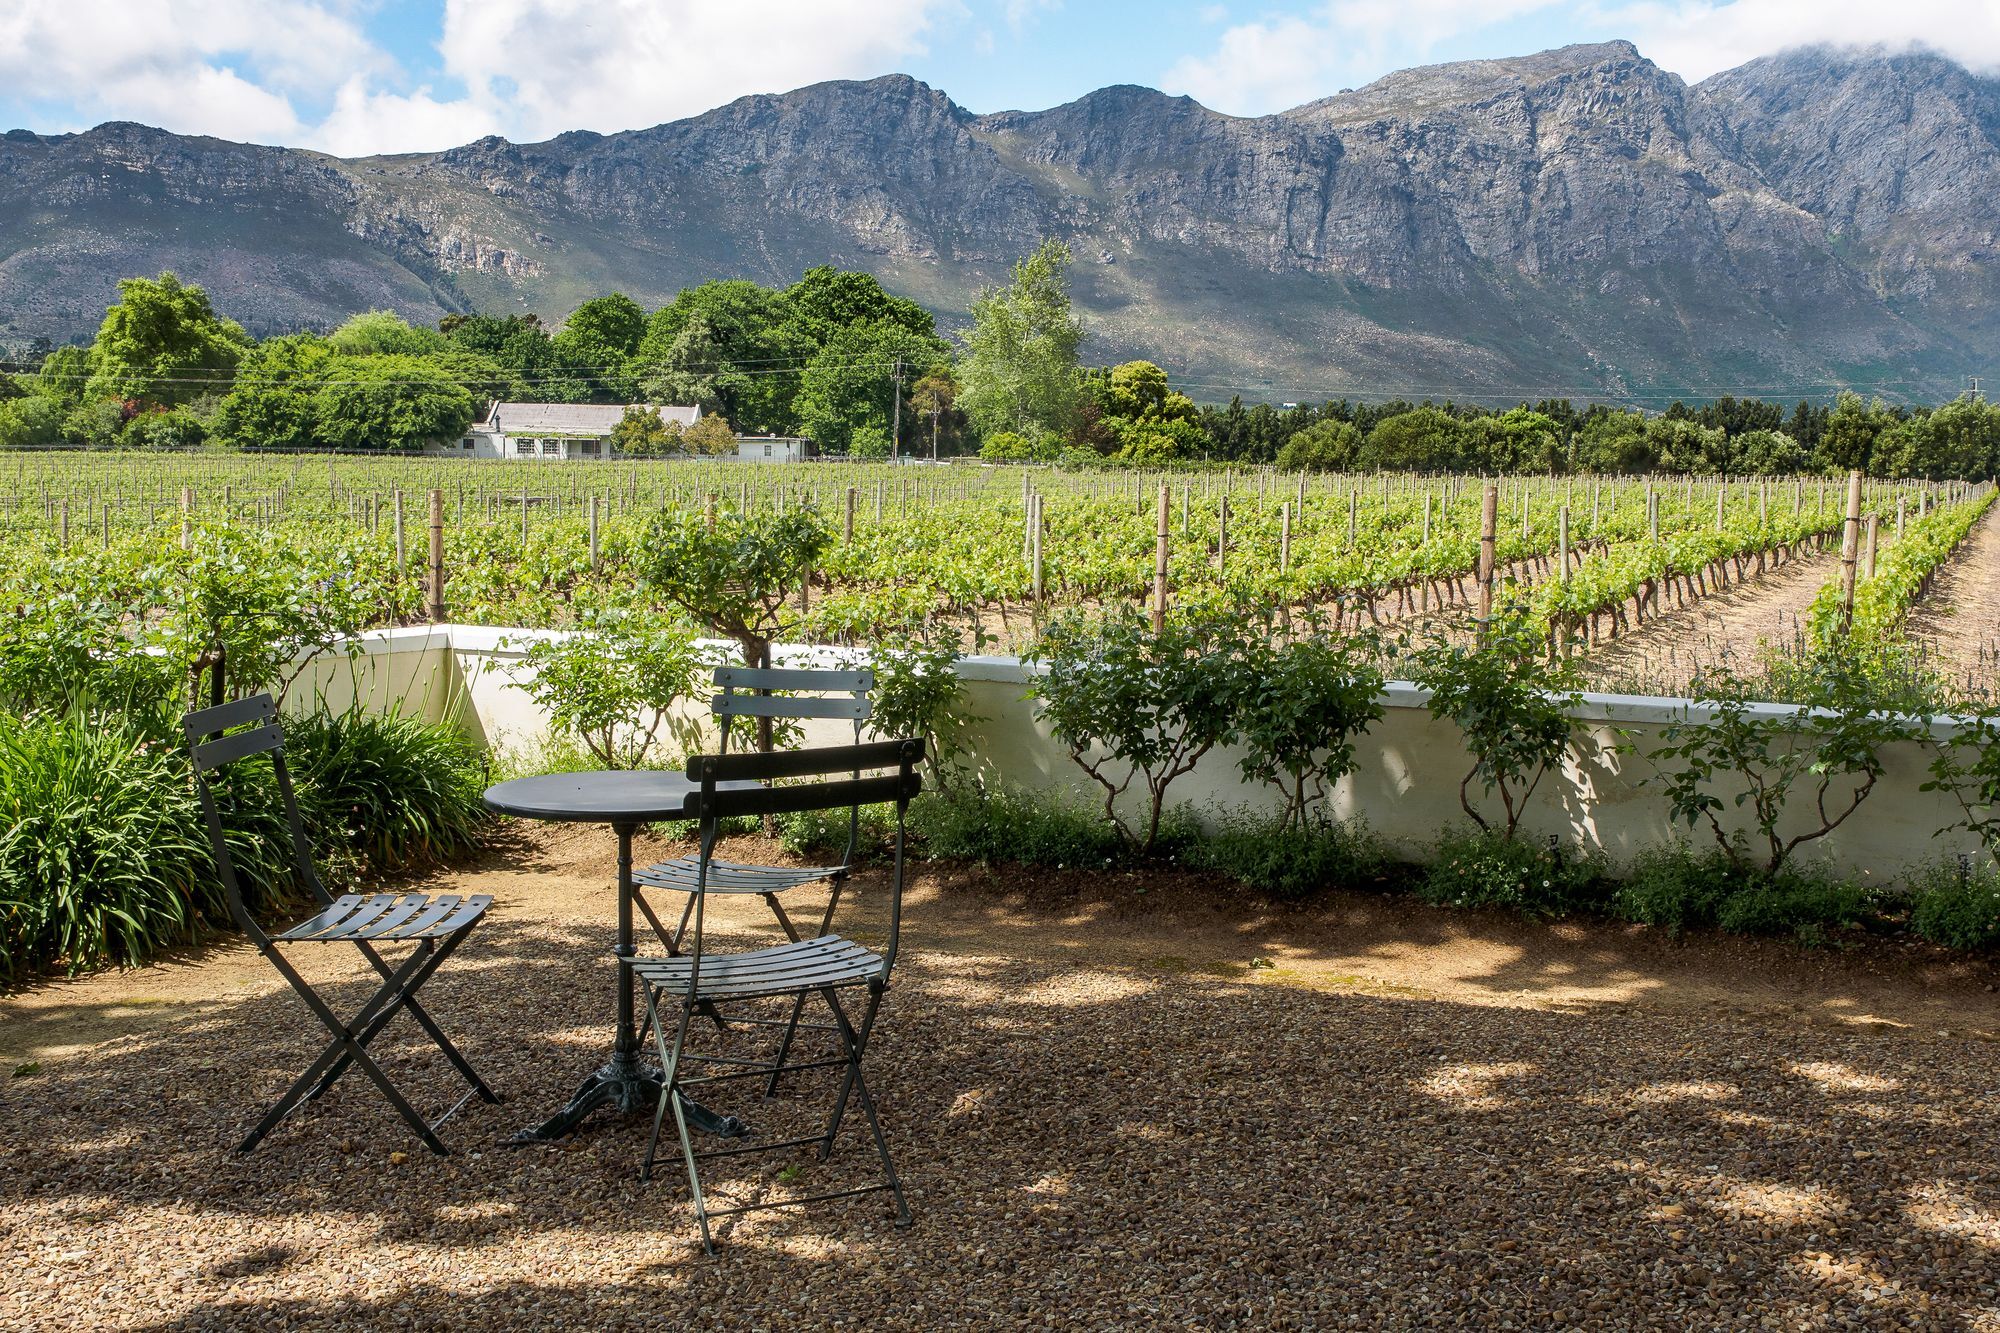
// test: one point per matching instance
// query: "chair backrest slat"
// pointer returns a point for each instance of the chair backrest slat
(818, 761)
(851, 708)
(842, 794)
(211, 755)
(208, 721)
(831, 680)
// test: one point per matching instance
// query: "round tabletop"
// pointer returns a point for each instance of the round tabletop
(607, 797)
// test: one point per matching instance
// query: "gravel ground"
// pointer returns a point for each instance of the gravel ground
(1110, 1109)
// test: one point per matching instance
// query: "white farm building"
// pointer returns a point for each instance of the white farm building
(583, 430)
(553, 430)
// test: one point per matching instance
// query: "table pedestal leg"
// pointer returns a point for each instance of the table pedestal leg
(627, 1082)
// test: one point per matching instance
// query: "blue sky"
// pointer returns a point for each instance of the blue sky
(363, 76)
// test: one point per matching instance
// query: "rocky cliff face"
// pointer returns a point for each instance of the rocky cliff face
(1576, 221)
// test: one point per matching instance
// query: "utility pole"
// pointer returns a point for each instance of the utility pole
(896, 428)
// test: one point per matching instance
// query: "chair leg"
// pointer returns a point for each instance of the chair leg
(861, 1047)
(785, 1045)
(350, 1042)
(422, 1015)
(853, 1044)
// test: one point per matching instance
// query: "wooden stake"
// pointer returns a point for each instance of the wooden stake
(437, 557)
(1162, 537)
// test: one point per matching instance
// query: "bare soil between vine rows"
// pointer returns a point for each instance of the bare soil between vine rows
(1956, 626)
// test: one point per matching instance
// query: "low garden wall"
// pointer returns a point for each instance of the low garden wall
(1406, 785)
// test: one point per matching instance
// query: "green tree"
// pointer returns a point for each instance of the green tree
(384, 333)
(642, 433)
(388, 402)
(597, 344)
(1020, 370)
(1766, 453)
(850, 384)
(1614, 442)
(163, 343)
(271, 404)
(710, 436)
(29, 422)
(1424, 439)
(826, 300)
(694, 371)
(1324, 446)
(1847, 440)
(747, 347)
(933, 397)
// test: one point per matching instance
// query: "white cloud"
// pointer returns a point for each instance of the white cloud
(545, 66)
(306, 72)
(366, 121)
(1697, 38)
(1280, 61)
(222, 67)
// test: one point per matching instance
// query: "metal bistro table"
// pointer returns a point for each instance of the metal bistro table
(624, 800)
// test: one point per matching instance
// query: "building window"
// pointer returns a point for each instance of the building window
(524, 448)
(465, 443)
(767, 451)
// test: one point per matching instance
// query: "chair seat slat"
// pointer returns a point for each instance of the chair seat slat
(850, 708)
(832, 680)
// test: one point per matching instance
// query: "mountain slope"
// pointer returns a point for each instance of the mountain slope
(1577, 221)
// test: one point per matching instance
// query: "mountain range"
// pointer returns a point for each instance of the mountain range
(1577, 222)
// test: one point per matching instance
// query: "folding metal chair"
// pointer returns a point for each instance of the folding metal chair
(746, 692)
(682, 984)
(435, 925)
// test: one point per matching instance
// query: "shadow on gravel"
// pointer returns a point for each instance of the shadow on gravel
(1080, 1140)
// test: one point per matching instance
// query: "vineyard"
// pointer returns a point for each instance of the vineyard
(989, 553)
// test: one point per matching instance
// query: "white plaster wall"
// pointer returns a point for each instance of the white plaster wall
(1406, 787)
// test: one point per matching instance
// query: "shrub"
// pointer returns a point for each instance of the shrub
(396, 790)
(1794, 903)
(1488, 869)
(1676, 888)
(1511, 703)
(1135, 704)
(1795, 759)
(613, 686)
(1300, 700)
(823, 833)
(1958, 907)
(1290, 860)
(1004, 825)
(103, 858)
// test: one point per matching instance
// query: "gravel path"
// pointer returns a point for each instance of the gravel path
(1958, 624)
(1664, 654)
(1112, 1109)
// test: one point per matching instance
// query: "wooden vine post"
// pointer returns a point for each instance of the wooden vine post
(1489, 518)
(1850, 549)
(437, 558)
(402, 551)
(1868, 562)
(1161, 536)
(591, 513)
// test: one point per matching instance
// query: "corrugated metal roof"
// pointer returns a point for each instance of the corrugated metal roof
(588, 419)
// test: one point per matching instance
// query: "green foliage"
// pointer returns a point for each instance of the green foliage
(1324, 446)
(1966, 766)
(1488, 869)
(1290, 861)
(643, 433)
(1006, 446)
(1301, 698)
(1136, 704)
(1020, 371)
(1821, 759)
(998, 825)
(918, 692)
(271, 404)
(1957, 906)
(1424, 440)
(1679, 889)
(384, 333)
(613, 686)
(390, 402)
(1510, 702)
(166, 428)
(709, 437)
(394, 790)
(1790, 903)
(264, 603)
(65, 638)
(850, 384)
(102, 857)
(734, 578)
(163, 343)
(30, 422)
